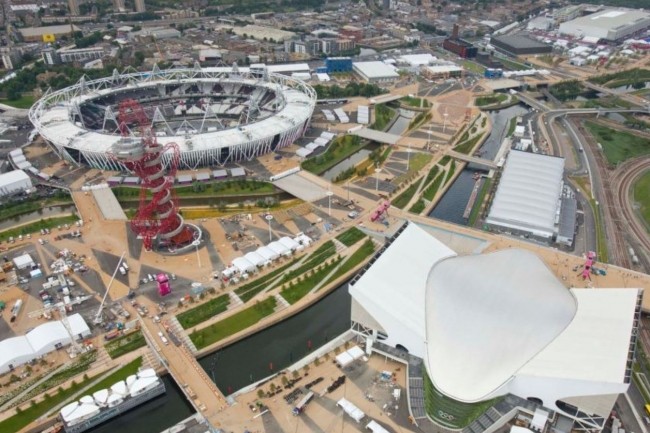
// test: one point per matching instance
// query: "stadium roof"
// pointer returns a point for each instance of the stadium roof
(375, 70)
(609, 19)
(489, 310)
(29, 32)
(528, 193)
(393, 288)
(53, 121)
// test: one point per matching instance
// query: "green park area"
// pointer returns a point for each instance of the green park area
(351, 236)
(415, 102)
(24, 102)
(364, 251)
(35, 227)
(494, 99)
(635, 77)
(233, 324)
(618, 146)
(212, 189)
(642, 197)
(203, 312)
(341, 148)
(125, 344)
(383, 115)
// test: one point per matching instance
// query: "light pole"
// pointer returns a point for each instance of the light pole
(269, 217)
(196, 243)
(444, 123)
(348, 185)
(377, 171)
(329, 202)
(408, 158)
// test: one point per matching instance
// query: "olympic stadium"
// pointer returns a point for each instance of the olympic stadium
(216, 115)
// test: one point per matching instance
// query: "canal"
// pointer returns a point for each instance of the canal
(275, 348)
(452, 205)
(47, 212)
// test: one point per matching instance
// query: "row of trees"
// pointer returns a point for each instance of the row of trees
(351, 89)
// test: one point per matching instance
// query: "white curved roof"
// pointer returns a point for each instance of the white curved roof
(243, 265)
(120, 388)
(101, 396)
(267, 253)
(278, 248)
(142, 384)
(114, 399)
(487, 316)
(528, 193)
(44, 337)
(289, 243)
(15, 351)
(255, 258)
(131, 380)
(79, 412)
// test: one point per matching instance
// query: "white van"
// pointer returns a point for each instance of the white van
(122, 270)
(125, 266)
(163, 338)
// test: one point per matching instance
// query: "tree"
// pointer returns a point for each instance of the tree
(295, 374)
(260, 393)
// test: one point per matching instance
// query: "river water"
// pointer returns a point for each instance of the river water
(48, 212)
(452, 205)
(275, 348)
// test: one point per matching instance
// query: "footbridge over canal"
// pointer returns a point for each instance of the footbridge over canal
(472, 159)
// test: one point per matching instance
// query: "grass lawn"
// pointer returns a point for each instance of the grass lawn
(493, 99)
(618, 145)
(203, 312)
(119, 374)
(298, 289)
(341, 148)
(417, 161)
(233, 324)
(479, 201)
(430, 191)
(35, 227)
(642, 196)
(511, 127)
(450, 173)
(211, 189)
(24, 102)
(417, 207)
(473, 67)
(365, 251)
(467, 146)
(249, 290)
(404, 198)
(415, 102)
(383, 114)
(351, 236)
(125, 344)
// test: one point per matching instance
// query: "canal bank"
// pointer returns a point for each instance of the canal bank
(451, 205)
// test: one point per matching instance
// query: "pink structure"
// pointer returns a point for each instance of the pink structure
(586, 271)
(381, 209)
(163, 284)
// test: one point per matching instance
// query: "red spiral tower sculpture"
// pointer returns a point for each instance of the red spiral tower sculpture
(157, 221)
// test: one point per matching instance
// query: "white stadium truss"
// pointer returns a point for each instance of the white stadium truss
(57, 116)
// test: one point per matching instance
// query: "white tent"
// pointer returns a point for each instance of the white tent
(349, 408)
(243, 265)
(256, 259)
(303, 239)
(229, 272)
(304, 152)
(267, 253)
(375, 427)
(280, 249)
(289, 243)
(23, 261)
(355, 352)
(344, 359)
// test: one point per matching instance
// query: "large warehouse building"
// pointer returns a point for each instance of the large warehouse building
(504, 337)
(14, 182)
(609, 24)
(518, 45)
(375, 72)
(528, 196)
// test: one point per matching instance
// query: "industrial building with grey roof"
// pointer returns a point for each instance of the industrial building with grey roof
(517, 45)
(609, 24)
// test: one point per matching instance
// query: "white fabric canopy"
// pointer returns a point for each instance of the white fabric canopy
(349, 408)
(243, 265)
(267, 253)
(279, 248)
(255, 258)
(289, 243)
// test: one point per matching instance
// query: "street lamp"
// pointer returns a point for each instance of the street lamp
(269, 217)
(377, 171)
(329, 202)
(196, 243)
(444, 123)
(348, 185)
(408, 158)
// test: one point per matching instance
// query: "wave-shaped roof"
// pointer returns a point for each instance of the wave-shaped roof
(488, 315)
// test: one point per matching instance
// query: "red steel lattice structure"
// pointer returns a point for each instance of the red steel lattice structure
(157, 216)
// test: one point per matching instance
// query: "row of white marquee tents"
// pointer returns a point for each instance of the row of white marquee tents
(265, 255)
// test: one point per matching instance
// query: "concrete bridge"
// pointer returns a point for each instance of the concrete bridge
(472, 159)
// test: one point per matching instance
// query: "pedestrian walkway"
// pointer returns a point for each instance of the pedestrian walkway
(281, 303)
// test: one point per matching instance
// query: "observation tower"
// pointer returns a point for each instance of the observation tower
(157, 221)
